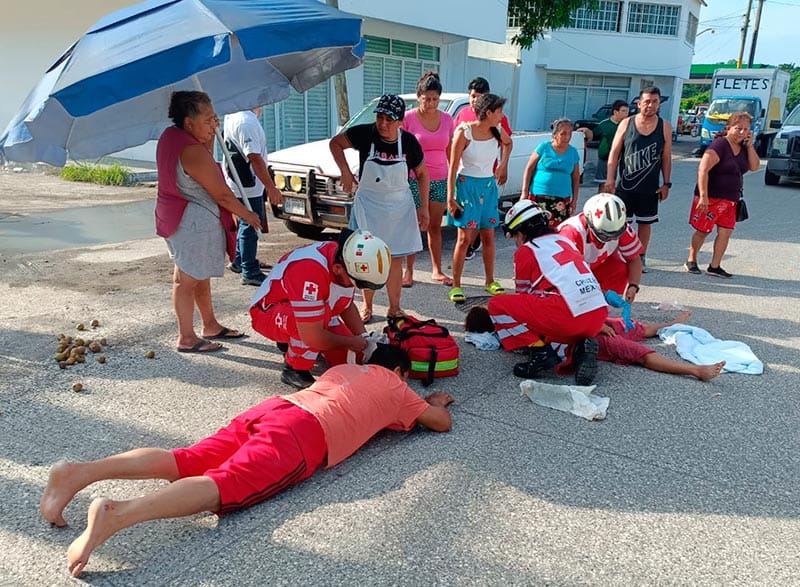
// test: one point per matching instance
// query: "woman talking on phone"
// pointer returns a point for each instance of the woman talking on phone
(719, 189)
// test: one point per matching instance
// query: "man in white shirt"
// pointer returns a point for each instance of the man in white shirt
(247, 143)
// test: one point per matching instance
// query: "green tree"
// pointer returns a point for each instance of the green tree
(535, 17)
(793, 98)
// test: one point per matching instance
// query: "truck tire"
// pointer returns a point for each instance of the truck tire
(308, 231)
(771, 178)
(695, 132)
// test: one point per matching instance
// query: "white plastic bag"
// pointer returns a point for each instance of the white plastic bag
(575, 399)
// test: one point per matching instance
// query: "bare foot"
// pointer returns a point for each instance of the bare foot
(98, 529)
(62, 485)
(408, 279)
(708, 372)
(681, 318)
(366, 314)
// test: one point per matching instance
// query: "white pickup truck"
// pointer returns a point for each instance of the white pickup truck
(309, 178)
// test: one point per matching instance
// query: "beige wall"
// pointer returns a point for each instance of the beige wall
(33, 34)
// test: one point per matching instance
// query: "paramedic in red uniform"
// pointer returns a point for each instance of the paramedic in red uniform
(608, 244)
(306, 303)
(557, 298)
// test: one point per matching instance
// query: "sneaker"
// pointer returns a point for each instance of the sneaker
(470, 253)
(691, 267)
(477, 245)
(296, 378)
(644, 265)
(282, 347)
(718, 272)
(235, 267)
(540, 359)
(257, 279)
(585, 360)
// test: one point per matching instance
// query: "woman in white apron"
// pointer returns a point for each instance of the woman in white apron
(383, 201)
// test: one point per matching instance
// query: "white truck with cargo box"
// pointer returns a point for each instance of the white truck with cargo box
(310, 180)
(760, 92)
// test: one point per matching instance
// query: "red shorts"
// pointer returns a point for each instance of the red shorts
(720, 213)
(264, 450)
(623, 348)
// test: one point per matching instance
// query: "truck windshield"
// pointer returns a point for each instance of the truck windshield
(723, 108)
(367, 116)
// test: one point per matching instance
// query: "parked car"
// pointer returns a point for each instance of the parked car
(784, 155)
(309, 178)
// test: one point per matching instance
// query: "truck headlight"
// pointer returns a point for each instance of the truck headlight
(705, 134)
(296, 183)
(780, 146)
(280, 181)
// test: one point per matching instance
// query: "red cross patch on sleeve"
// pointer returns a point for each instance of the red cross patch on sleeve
(310, 291)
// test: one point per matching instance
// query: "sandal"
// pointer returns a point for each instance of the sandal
(366, 315)
(495, 289)
(444, 280)
(457, 296)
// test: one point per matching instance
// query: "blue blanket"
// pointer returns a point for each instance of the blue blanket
(699, 347)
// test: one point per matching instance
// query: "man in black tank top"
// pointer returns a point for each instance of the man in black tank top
(642, 152)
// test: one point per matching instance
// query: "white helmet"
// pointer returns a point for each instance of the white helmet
(605, 216)
(366, 258)
(524, 213)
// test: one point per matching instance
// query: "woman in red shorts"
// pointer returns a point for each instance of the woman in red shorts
(718, 190)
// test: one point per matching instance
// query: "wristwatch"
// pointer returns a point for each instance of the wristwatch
(668, 184)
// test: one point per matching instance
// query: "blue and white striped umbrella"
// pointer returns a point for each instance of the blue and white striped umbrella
(111, 89)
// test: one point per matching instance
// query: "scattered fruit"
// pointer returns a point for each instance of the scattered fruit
(150, 355)
(103, 341)
(71, 361)
(79, 342)
(101, 359)
(81, 358)
(62, 364)
(76, 387)
(95, 348)
(61, 357)
(81, 326)
(95, 323)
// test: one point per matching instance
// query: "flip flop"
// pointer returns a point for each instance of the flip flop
(495, 289)
(366, 315)
(226, 333)
(457, 296)
(443, 280)
(199, 347)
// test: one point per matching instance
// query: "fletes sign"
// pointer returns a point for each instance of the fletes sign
(741, 83)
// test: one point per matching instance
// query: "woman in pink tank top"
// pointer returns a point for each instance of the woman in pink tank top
(193, 209)
(434, 131)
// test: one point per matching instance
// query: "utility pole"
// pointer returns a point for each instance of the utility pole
(744, 33)
(755, 33)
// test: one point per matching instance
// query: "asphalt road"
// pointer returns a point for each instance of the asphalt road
(684, 482)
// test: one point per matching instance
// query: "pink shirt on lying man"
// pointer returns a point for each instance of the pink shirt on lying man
(355, 402)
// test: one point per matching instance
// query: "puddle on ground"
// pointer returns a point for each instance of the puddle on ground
(68, 229)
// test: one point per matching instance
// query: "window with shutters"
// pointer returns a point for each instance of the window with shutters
(580, 95)
(299, 119)
(392, 66)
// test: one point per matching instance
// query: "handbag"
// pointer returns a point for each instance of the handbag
(741, 210)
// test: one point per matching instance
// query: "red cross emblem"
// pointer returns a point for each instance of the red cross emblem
(598, 213)
(310, 291)
(362, 268)
(569, 255)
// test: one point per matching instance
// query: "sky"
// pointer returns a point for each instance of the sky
(776, 36)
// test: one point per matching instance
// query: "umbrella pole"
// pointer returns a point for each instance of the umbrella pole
(231, 167)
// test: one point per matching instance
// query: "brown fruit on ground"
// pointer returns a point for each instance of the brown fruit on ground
(150, 355)
(76, 387)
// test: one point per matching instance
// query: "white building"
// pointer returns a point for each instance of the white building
(604, 55)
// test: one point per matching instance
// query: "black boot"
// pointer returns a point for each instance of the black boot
(282, 347)
(296, 378)
(541, 358)
(585, 360)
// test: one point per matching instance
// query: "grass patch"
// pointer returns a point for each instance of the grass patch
(114, 174)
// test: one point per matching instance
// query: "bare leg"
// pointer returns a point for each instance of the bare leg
(698, 238)
(720, 245)
(202, 298)
(67, 479)
(366, 309)
(651, 330)
(662, 364)
(183, 293)
(393, 285)
(644, 231)
(487, 238)
(465, 237)
(408, 274)
(107, 517)
(436, 210)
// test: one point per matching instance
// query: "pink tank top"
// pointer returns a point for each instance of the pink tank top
(170, 204)
(434, 144)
